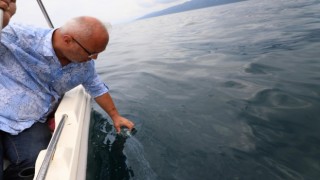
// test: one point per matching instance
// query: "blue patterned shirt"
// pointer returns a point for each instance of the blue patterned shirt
(32, 80)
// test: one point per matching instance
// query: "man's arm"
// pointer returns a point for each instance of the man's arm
(9, 9)
(106, 103)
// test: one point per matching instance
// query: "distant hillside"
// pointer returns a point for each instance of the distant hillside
(190, 5)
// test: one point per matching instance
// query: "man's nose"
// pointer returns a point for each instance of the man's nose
(95, 56)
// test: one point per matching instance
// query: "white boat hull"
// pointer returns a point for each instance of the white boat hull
(70, 158)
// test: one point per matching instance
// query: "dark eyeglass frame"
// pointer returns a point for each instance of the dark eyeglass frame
(90, 55)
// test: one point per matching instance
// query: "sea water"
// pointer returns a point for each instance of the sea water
(225, 92)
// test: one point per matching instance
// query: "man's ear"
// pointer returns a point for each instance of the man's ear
(67, 39)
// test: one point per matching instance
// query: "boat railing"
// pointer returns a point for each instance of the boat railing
(45, 14)
(51, 149)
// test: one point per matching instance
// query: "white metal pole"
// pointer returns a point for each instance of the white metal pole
(44, 12)
(1, 20)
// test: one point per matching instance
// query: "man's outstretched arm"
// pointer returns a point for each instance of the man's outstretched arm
(106, 103)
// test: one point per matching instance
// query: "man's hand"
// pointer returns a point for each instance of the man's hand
(9, 9)
(106, 103)
(120, 121)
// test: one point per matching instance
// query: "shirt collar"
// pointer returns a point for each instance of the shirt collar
(45, 45)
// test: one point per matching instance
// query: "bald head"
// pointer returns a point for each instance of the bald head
(85, 29)
(80, 39)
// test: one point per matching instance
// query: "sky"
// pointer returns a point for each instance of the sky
(110, 11)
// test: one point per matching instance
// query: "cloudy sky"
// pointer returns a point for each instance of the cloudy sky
(112, 11)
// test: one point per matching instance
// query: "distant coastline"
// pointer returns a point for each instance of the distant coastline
(190, 5)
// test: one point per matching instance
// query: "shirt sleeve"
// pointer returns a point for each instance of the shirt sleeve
(93, 85)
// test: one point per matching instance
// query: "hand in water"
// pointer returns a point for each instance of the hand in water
(126, 133)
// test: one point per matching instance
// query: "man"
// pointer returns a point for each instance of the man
(37, 66)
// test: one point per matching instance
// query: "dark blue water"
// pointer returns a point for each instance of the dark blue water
(226, 92)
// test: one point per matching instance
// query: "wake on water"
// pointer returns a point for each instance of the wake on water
(111, 156)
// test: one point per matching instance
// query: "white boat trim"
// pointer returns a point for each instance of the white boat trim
(70, 159)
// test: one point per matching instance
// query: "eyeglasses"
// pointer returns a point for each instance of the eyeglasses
(90, 55)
